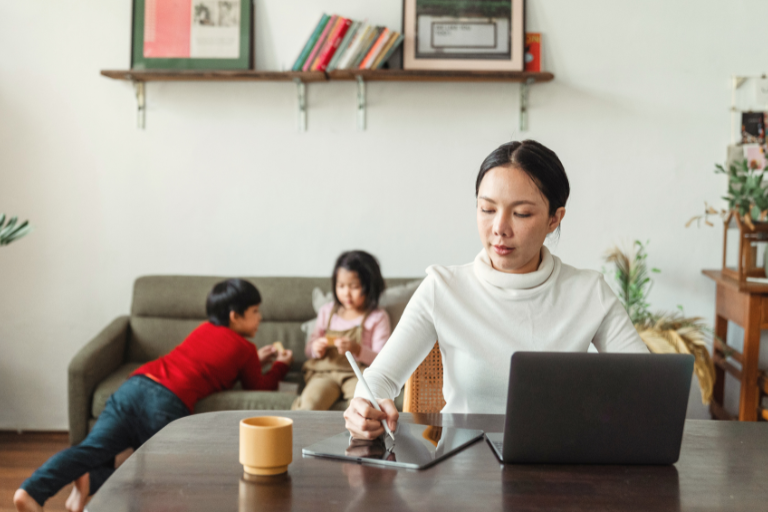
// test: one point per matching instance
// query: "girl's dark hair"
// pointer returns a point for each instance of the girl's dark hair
(538, 162)
(231, 295)
(369, 273)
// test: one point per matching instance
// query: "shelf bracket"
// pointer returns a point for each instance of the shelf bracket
(141, 104)
(361, 104)
(524, 90)
(301, 94)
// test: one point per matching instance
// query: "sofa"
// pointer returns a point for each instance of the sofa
(164, 310)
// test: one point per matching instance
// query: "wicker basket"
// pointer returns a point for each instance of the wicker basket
(424, 389)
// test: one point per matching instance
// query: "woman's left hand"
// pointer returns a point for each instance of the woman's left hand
(345, 345)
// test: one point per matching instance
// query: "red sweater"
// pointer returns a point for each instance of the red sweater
(211, 359)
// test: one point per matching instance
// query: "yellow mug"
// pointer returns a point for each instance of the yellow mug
(266, 445)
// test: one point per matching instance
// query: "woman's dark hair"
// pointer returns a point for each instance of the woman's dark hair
(231, 295)
(369, 273)
(538, 162)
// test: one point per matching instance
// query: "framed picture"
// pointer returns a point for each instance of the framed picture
(192, 34)
(487, 35)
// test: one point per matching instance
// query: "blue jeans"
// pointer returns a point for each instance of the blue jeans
(133, 414)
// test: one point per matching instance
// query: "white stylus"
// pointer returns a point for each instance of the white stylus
(367, 391)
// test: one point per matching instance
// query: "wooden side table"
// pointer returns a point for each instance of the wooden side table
(747, 306)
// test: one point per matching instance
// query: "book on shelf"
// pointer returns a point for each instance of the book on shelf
(342, 43)
(533, 51)
(310, 43)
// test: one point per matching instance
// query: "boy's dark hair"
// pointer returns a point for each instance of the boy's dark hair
(369, 273)
(231, 295)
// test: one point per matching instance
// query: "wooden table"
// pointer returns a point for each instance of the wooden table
(192, 465)
(747, 306)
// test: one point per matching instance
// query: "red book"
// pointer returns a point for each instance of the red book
(533, 51)
(333, 45)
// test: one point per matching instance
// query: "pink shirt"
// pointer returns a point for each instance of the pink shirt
(375, 332)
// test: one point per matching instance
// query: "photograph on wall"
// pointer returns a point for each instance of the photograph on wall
(192, 34)
(464, 34)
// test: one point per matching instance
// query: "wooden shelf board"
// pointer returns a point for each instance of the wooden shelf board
(719, 278)
(193, 75)
(377, 75)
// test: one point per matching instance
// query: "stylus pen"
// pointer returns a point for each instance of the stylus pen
(367, 391)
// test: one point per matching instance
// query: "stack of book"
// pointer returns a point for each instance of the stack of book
(342, 43)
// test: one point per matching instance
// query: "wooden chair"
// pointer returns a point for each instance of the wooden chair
(424, 388)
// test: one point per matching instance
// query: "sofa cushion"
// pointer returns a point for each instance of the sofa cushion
(108, 386)
(238, 400)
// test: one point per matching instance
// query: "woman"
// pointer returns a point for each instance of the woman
(514, 296)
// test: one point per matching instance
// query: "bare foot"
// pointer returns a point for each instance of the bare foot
(78, 498)
(25, 503)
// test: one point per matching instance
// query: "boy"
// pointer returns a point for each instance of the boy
(212, 358)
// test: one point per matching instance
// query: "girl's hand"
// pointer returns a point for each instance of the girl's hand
(347, 345)
(285, 356)
(319, 346)
(267, 354)
(364, 422)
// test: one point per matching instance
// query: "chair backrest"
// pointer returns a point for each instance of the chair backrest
(424, 388)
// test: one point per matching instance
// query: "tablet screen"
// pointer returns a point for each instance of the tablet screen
(415, 446)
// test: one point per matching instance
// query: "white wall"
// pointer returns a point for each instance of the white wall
(221, 182)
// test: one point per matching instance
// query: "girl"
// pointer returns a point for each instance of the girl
(353, 322)
(515, 295)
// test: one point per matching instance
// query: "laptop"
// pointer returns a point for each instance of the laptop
(582, 408)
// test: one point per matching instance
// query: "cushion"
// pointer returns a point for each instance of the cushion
(109, 385)
(234, 400)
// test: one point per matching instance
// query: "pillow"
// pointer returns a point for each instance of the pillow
(393, 300)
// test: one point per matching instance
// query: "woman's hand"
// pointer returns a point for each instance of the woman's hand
(345, 345)
(267, 354)
(319, 346)
(363, 420)
(285, 356)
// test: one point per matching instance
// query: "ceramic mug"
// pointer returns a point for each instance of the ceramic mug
(266, 445)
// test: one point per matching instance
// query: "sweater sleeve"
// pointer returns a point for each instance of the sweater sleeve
(379, 336)
(252, 378)
(414, 337)
(616, 332)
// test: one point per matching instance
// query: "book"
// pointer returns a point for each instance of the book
(391, 51)
(328, 40)
(753, 128)
(365, 47)
(343, 46)
(333, 44)
(533, 51)
(354, 46)
(393, 36)
(310, 43)
(375, 49)
(319, 44)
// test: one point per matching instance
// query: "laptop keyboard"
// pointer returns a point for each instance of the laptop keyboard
(499, 445)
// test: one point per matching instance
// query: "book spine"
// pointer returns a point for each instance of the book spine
(375, 49)
(310, 43)
(326, 57)
(533, 51)
(354, 47)
(343, 46)
(327, 42)
(319, 44)
(372, 36)
(384, 49)
(391, 50)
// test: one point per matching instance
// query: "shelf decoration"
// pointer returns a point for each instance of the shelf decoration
(460, 35)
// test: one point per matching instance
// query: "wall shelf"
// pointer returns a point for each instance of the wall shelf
(301, 78)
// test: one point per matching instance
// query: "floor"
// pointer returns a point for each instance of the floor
(20, 455)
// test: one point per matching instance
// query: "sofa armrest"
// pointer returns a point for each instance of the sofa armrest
(92, 364)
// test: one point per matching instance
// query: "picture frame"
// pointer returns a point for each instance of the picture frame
(475, 35)
(192, 34)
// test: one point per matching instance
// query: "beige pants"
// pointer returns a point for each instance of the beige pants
(324, 388)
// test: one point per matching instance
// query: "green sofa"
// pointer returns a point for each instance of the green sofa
(164, 311)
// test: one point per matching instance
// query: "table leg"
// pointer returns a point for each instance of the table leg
(718, 390)
(749, 393)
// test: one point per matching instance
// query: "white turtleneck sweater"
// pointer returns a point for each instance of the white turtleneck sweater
(482, 316)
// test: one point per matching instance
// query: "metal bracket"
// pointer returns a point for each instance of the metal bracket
(524, 104)
(141, 104)
(361, 104)
(301, 93)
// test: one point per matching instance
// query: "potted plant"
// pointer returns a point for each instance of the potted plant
(12, 231)
(662, 332)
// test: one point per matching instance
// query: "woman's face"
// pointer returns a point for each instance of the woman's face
(349, 290)
(513, 219)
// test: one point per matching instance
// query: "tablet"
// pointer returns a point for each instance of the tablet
(415, 446)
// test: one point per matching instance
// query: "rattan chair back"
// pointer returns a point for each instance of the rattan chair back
(424, 388)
